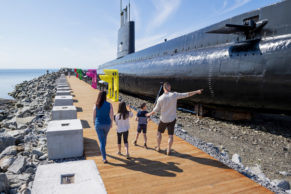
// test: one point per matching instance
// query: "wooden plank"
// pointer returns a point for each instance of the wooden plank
(187, 170)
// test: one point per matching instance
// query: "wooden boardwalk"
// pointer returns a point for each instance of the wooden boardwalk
(187, 170)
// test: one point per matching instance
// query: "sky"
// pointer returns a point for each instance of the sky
(83, 33)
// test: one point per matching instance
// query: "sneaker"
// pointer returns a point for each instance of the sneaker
(105, 161)
(134, 143)
(145, 146)
(168, 152)
(157, 149)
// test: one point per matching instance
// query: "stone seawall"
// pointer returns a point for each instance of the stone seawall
(23, 124)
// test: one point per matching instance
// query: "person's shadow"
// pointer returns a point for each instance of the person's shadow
(148, 166)
(204, 161)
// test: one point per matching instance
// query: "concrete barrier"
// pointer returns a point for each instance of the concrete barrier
(63, 93)
(64, 112)
(62, 85)
(63, 88)
(63, 100)
(64, 139)
(68, 178)
(61, 81)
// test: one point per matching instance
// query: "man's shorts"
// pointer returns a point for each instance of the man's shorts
(142, 128)
(170, 126)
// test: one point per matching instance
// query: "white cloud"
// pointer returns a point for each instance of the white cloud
(163, 9)
(234, 5)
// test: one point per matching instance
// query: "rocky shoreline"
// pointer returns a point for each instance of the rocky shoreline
(23, 124)
(260, 149)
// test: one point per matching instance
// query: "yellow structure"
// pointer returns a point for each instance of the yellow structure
(112, 78)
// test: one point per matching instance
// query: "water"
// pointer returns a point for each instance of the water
(10, 77)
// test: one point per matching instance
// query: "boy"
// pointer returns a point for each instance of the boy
(142, 124)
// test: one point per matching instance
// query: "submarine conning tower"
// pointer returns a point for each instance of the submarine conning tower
(126, 37)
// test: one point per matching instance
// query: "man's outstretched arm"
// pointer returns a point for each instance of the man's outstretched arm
(188, 94)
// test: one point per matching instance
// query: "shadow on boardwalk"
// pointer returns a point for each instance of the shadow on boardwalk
(148, 166)
(204, 161)
(91, 147)
(158, 168)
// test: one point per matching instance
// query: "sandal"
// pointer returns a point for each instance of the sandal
(145, 146)
(168, 152)
(134, 143)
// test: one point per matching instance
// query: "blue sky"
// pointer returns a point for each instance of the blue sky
(83, 33)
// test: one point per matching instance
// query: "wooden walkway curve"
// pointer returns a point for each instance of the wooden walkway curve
(187, 170)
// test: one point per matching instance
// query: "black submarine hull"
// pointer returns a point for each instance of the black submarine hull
(233, 71)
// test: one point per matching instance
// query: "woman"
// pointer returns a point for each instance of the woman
(103, 117)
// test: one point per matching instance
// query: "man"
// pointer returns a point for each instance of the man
(167, 105)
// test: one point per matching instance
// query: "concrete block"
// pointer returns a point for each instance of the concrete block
(63, 100)
(85, 178)
(63, 88)
(62, 85)
(63, 93)
(64, 139)
(61, 81)
(64, 112)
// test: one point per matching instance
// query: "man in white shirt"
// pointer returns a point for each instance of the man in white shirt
(167, 105)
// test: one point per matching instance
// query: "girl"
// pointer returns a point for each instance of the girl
(122, 122)
(102, 116)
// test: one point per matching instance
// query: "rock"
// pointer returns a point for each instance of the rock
(24, 189)
(4, 183)
(18, 165)
(30, 170)
(281, 184)
(5, 141)
(43, 157)
(16, 180)
(236, 159)
(37, 152)
(284, 173)
(224, 154)
(11, 150)
(257, 171)
(22, 122)
(6, 162)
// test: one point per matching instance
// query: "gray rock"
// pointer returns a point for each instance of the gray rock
(6, 162)
(11, 150)
(281, 184)
(4, 183)
(16, 180)
(284, 173)
(18, 165)
(257, 171)
(236, 159)
(5, 141)
(43, 157)
(37, 152)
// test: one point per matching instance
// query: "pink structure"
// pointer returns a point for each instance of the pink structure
(93, 74)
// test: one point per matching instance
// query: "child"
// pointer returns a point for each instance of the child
(122, 121)
(142, 124)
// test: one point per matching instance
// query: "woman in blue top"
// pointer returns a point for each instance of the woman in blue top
(103, 117)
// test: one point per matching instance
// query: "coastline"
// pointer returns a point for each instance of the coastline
(23, 122)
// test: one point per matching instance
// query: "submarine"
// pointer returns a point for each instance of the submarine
(241, 62)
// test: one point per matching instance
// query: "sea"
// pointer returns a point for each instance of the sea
(11, 77)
